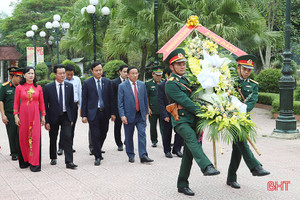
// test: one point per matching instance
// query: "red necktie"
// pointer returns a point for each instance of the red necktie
(136, 96)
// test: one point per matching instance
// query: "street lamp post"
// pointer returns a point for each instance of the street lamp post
(286, 122)
(55, 24)
(156, 32)
(31, 34)
(91, 9)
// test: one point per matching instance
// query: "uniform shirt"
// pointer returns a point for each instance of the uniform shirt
(249, 89)
(63, 93)
(151, 87)
(7, 96)
(76, 82)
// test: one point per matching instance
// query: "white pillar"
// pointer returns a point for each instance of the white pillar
(1, 71)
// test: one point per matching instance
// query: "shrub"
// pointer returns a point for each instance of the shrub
(41, 71)
(77, 68)
(52, 76)
(111, 68)
(42, 83)
(268, 80)
(276, 107)
(267, 98)
(297, 94)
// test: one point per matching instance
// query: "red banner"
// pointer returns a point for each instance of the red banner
(227, 45)
(175, 41)
(185, 31)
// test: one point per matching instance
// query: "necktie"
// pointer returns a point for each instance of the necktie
(100, 94)
(60, 98)
(136, 96)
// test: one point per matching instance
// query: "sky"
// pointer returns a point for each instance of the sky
(4, 6)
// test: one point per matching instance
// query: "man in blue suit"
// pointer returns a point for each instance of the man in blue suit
(133, 109)
(59, 102)
(97, 108)
(166, 121)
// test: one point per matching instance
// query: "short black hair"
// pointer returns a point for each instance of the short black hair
(57, 67)
(70, 68)
(95, 64)
(130, 68)
(168, 71)
(122, 67)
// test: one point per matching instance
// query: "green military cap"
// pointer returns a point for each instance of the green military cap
(178, 55)
(157, 70)
(12, 69)
(247, 61)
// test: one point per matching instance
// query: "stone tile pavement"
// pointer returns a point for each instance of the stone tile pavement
(116, 178)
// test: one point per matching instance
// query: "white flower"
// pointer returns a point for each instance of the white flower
(208, 79)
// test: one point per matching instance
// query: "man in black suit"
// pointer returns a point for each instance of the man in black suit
(59, 102)
(97, 108)
(166, 121)
(118, 123)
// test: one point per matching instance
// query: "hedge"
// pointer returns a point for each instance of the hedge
(276, 105)
(267, 98)
(42, 83)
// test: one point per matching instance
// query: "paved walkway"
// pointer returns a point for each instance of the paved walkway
(116, 178)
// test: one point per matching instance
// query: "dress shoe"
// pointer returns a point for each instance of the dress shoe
(154, 145)
(169, 155)
(259, 171)
(102, 151)
(131, 159)
(14, 157)
(91, 153)
(233, 184)
(146, 159)
(59, 152)
(71, 165)
(97, 161)
(210, 171)
(53, 162)
(186, 191)
(178, 153)
(120, 148)
(74, 150)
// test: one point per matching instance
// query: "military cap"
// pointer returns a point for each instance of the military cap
(12, 69)
(157, 70)
(247, 61)
(16, 71)
(178, 55)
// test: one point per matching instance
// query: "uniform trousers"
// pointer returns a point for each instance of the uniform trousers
(153, 127)
(12, 134)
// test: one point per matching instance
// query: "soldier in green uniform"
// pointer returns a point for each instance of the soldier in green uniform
(7, 94)
(248, 90)
(178, 91)
(154, 112)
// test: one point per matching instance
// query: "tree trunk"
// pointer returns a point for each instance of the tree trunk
(143, 62)
(268, 57)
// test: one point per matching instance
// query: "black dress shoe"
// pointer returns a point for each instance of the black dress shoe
(186, 191)
(53, 162)
(178, 153)
(169, 155)
(131, 159)
(233, 184)
(210, 171)
(154, 145)
(74, 150)
(259, 171)
(91, 153)
(146, 159)
(120, 148)
(97, 161)
(102, 151)
(71, 165)
(14, 157)
(59, 152)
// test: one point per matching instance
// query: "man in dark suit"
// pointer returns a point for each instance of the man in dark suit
(59, 102)
(118, 123)
(133, 109)
(97, 108)
(166, 121)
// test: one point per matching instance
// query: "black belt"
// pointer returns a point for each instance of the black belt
(101, 109)
(63, 113)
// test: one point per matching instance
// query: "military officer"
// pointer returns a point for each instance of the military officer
(154, 112)
(248, 90)
(178, 91)
(7, 94)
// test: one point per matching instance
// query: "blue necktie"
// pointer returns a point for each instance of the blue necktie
(60, 99)
(100, 94)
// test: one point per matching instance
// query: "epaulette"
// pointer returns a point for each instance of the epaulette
(171, 79)
(253, 81)
(6, 83)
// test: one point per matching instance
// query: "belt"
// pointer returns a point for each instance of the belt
(101, 109)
